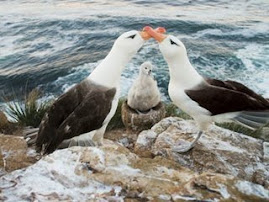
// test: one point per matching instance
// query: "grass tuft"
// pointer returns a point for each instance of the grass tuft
(28, 112)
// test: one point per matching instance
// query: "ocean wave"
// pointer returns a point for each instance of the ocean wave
(54, 45)
(259, 32)
(8, 45)
(256, 74)
(203, 9)
(74, 76)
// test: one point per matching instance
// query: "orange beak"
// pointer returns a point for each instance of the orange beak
(146, 36)
(157, 34)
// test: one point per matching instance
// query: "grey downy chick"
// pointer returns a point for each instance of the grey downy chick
(144, 93)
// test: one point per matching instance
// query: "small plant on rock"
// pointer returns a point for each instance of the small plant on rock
(28, 112)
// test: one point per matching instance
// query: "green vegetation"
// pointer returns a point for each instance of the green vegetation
(116, 121)
(28, 112)
(173, 110)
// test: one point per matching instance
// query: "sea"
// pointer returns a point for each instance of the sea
(53, 45)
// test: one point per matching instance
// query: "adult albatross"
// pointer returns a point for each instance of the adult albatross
(207, 100)
(85, 110)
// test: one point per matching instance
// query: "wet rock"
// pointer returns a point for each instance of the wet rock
(14, 154)
(113, 173)
(135, 121)
(219, 150)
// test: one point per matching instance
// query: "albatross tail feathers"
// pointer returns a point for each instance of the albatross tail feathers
(253, 119)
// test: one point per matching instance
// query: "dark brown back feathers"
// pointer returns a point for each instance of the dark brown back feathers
(226, 96)
(80, 110)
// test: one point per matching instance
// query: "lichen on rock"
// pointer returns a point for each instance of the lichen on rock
(112, 172)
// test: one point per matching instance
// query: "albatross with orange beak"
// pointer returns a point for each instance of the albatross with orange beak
(207, 100)
(80, 116)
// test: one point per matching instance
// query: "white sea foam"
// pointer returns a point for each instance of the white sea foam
(75, 76)
(252, 59)
(256, 75)
(8, 47)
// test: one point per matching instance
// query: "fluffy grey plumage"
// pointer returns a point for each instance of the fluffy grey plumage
(144, 93)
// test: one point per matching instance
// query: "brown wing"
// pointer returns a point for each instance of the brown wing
(233, 85)
(82, 109)
(224, 99)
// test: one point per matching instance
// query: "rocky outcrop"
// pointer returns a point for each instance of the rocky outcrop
(219, 150)
(223, 166)
(14, 154)
(113, 173)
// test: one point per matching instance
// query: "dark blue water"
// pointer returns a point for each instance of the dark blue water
(53, 45)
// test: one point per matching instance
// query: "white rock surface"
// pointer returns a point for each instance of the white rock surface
(266, 152)
(113, 173)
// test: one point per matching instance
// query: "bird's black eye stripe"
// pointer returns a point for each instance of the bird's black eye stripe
(132, 36)
(173, 43)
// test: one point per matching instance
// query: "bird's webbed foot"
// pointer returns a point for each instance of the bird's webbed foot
(185, 146)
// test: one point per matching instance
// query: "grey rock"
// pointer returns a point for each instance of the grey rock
(218, 150)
